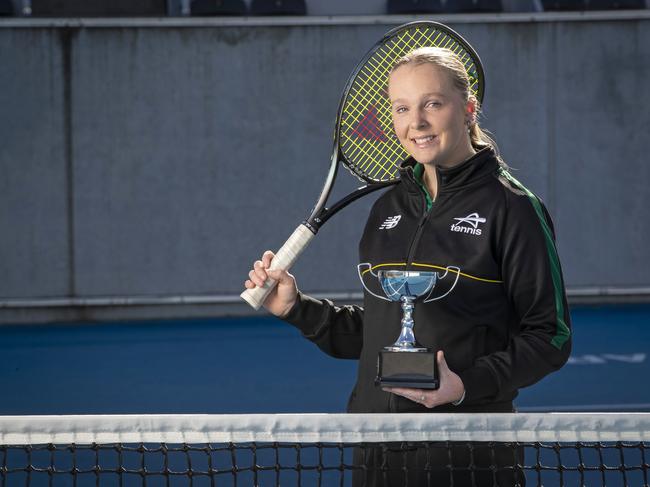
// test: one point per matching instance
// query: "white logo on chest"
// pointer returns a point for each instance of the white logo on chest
(468, 224)
(390, 222)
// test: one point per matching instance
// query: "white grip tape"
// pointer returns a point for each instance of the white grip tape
(284, 259)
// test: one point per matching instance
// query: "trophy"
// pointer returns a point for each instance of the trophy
(406, 363)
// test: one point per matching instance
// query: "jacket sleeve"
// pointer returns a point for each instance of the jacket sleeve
(337, 330)
(534, 287)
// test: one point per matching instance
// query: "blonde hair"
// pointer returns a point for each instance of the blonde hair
(449, 61)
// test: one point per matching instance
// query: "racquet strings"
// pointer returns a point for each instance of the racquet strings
(367, 140)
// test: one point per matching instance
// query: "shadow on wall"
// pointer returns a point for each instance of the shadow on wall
(6, 8)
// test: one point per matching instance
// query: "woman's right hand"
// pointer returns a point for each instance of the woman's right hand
(280, 301)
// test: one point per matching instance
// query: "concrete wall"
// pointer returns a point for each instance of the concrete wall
(319, 7)
(158, 159)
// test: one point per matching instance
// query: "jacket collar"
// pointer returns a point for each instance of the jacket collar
(476, 168)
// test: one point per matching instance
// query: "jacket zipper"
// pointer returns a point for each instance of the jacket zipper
(416, 238)
(420, 228)
(392, 406)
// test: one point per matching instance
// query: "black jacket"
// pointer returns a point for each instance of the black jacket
(505, 324)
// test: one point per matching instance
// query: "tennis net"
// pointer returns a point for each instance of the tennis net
(462, 450)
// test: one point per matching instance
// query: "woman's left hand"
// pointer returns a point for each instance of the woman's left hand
(451, 387)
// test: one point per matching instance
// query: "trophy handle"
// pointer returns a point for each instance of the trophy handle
(455, 270)
(368, 266)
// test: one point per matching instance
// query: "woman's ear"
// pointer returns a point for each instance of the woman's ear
(470, 111)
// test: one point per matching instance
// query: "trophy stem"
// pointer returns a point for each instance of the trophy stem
(406, 341)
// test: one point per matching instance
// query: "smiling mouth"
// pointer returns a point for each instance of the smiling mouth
(423, 141)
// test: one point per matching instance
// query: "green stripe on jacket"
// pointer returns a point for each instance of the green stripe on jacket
(562, 333)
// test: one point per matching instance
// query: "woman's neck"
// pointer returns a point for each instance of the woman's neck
(430, 180)
(430, 176)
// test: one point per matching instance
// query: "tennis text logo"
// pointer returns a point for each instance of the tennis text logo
(390, 222)
(468, 224)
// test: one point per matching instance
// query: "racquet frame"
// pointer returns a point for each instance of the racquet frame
(305, 232)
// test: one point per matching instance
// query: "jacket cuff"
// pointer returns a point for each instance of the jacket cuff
(479, 384)
(303, 312)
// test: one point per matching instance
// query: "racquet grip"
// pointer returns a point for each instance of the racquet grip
(284, 259)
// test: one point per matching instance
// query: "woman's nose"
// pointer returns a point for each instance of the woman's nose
(418, 120)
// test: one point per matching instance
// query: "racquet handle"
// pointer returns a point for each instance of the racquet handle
(284, 259)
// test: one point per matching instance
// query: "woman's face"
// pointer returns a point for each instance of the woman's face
(429, 115)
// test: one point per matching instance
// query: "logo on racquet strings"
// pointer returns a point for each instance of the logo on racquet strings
(390, 222)
(369, 127)
(468, 224)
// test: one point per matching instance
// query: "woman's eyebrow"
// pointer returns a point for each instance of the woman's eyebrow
(424, 95)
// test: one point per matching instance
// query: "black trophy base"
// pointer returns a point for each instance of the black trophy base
(407, 369)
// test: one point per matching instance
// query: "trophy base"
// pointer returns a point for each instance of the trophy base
(407, 369)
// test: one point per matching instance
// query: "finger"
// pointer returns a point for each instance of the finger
(416, 395)
(248, 284)
(403, 391)
(256, 279)
(267, 258)
(442, 363)
(260, 271)
(283, 277)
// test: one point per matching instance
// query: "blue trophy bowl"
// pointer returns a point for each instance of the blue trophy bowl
(397, 284)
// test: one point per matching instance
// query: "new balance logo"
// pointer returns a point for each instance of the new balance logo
(390, 222)
(468, 224)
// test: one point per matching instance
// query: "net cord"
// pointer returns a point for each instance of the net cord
(325, 428)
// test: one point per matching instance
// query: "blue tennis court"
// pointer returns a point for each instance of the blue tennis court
(263, 365)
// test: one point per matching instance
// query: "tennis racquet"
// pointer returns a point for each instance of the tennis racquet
(364, 140)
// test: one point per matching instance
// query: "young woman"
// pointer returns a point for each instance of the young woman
(505, 325)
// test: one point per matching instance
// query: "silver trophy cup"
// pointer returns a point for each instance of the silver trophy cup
(406, 363)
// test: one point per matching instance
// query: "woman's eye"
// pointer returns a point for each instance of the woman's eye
(400, 109)
(434, 104)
